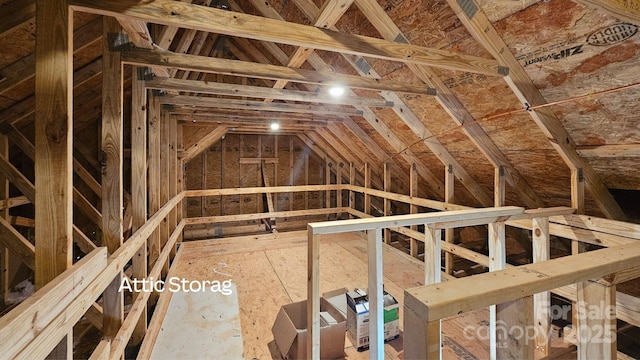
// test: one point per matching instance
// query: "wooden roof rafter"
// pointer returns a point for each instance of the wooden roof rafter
(452, 105)
(173, 13)
(522, 86)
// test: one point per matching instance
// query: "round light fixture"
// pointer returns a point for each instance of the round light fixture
(275, 126)
(336, 91)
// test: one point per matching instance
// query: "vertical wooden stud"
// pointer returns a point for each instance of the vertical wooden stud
(497, 261)
(542, 301)
(339, 182)
(433, 275)
(449, 184)
(153, 129)
(173, 175)
(376, 305)
(413, 209)
(313, 295)
(596, 330)
(112, 202)
(352, 181)
(291, 171)
(499, 186)
(516, 321)
(139, 185)
(4, 197)
(367, 184)
(180, 176)
(327, 181)
(164, 180)
(386, 172)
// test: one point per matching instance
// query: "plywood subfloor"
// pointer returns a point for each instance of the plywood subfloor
(270, 271)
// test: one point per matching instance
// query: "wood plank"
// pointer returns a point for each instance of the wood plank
(153, 182)
(207, 141)
(17, 244)
(262, 215)
(596, 330)
(449, 218)
(542, 300)
(53, 144)
(613, 150)
(215, 88)
(43, 307)
(139, 185)
(236, 24)
(313, 295)
(367, 184)
(210, 102)
(259, 190)
(16, 13)
(164, 180)
(144, 57)
(449, 198)
(386, 170)
(577, 191)
(431, 302)
(112, 184)
(522, 86)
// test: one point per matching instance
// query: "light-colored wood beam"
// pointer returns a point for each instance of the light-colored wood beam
(144, 57)
(139, 185)
(542, 300)
(210, 102)
(627, 10)
(606, 151)
(53, 137)
(215, 88)
(522, 86)
(231, 23)
(449, 195)
(207, 141)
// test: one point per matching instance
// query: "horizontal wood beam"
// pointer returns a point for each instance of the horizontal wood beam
(144, 57)
(448, 219)
(609, 151)
(258, 216)
(216, 88)
(233, 118)
(439, 301)
(211, 102)
(231, 23)
(259, 190)
(36, 312)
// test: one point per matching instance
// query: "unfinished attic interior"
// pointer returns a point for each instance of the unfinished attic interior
(225, 179)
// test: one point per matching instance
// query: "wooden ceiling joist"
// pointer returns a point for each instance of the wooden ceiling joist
(522, 86)
(225, 89)
(331, 11)
(452, 105)
(180, 14)
(144, 57)
(211, 102)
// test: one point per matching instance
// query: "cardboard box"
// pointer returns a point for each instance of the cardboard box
(358, 318)
(290, 331)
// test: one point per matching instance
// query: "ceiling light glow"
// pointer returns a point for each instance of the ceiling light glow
(337, 91)
(275, 126)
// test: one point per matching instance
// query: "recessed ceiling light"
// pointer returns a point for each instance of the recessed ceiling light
(275, 126)
(337, 90)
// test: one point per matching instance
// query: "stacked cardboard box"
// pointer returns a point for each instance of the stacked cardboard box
(358, 318)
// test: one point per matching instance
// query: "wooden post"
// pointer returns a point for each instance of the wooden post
(433, 275)
(577, 202)
(387, 203)
(541, 301)
(164, 180)
(497, 256)
(4, 214)
(154, 176)
(327, 181)
(139, 185)
(173, 176)
(291, 171)
(180, 177)
(352, 181)
(313, 295)
(596, 330)
(339, 182)
(54, 139)
(516, 329)
(367, 184)
(449, 183)
(113, 301)
(413, 209)
(376, 305)
(306, 178)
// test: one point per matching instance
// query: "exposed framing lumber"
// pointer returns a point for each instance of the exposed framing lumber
(522, 86)
(112, 184)
(449, 198)
(204, 143)
(262, 215)
(153, 185)
(542, 300)
(139, 186)
(143, 57)
(452, 105)
(210, 102)
(331, 11)
(255, 27)
(605, 151)
(625, 10)
(214, 88)
(53, 144)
